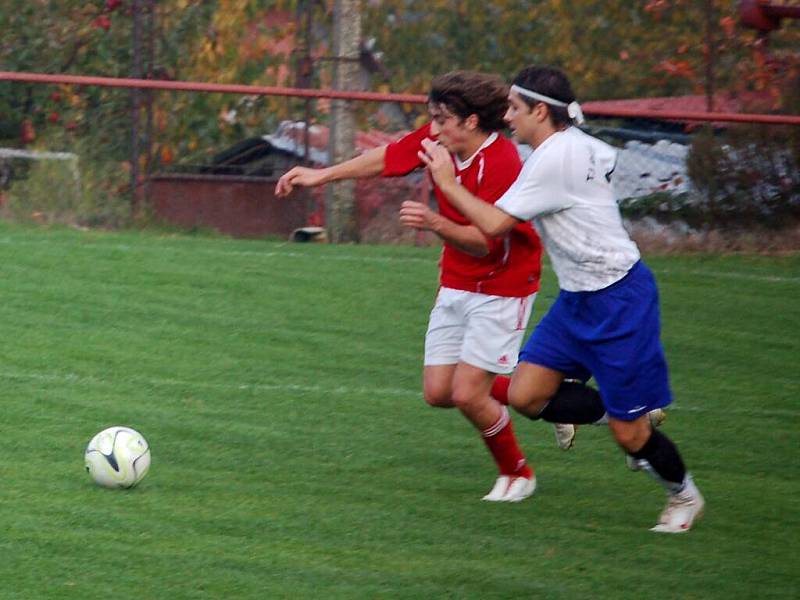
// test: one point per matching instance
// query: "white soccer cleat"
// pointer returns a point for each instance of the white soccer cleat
(681, 512)
(511, 489)
(657, 417)
(565, 435)
(499, 490)
(520, 488)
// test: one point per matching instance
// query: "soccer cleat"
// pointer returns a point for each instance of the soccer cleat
(499, 490)
(565, 435)
(681, 512)
(657, 417)
(511, 489)
(519, 489)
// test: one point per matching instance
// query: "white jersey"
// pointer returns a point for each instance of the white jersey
(565, 189)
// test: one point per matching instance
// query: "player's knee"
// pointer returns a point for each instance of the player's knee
(627, 441)
(438, 396)
(528, 401)
(463, 396)
(630, 435)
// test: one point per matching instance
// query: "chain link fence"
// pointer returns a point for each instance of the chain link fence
(675, 177)
(192, 155)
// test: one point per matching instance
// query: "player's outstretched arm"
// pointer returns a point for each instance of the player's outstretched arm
(488, 218)
(466, 238)
(368, 164)
(299, 176)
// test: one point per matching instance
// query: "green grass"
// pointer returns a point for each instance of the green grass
(293, 456)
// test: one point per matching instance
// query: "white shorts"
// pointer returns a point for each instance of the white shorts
(477, 329)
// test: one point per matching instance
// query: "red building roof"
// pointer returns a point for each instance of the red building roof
(723, 103)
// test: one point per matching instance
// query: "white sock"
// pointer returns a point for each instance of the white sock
(687, 485)
(688, 489)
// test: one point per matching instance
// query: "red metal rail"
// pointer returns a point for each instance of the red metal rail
(691, 115)
(223, 88)
(191, 86)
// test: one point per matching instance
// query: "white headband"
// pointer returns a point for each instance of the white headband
(573, 108)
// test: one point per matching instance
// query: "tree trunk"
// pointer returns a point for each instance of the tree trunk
(341, 207)
(135, 95)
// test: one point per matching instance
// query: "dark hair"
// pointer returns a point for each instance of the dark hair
(550, 82)
(466, 93)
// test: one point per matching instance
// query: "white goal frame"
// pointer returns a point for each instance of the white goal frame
(70, 157)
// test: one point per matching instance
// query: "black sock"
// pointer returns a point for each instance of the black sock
(575, 403)
(664, 457)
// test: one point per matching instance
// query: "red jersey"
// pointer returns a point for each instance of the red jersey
(513, 264)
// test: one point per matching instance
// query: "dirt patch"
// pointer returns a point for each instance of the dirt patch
(653, 237)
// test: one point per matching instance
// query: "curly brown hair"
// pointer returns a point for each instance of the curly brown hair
(466, 93)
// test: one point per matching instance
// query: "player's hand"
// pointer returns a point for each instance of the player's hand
(417, 215)
(437, 158)
(298, 176)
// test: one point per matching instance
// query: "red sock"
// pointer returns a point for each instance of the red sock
(503, 445)
(500, 389)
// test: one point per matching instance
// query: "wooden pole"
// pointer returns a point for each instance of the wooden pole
(341, 213)
(136, 73)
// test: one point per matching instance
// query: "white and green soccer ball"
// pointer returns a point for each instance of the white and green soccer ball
(117, 457)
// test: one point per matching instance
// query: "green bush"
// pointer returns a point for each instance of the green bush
(662, 206)
(748, 175)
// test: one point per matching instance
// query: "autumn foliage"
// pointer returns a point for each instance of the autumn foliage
(613, 49)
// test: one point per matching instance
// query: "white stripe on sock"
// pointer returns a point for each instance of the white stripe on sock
(499, 425)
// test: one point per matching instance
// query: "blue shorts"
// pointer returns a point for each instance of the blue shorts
(612, 334)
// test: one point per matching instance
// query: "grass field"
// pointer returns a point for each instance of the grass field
(294, 457)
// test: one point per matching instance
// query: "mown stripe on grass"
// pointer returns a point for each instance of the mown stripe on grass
(160, 247)
(728, 275)
(339, 390)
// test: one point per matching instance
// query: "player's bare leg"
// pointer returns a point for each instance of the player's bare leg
(532, 387)
(661, 459)
(536, 386)
(470, 389)
(437, 384)
(471, 394)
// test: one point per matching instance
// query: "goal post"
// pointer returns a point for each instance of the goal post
(44, 187)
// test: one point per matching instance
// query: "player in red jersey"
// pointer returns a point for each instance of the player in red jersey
(487, 285)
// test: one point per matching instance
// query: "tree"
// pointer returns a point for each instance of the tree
(616, 49)
(619, 49)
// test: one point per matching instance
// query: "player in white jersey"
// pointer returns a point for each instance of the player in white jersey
(605, 322)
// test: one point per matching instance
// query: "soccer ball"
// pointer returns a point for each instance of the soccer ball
(117, 457)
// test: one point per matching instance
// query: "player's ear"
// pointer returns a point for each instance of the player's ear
(472, 122)
(541, 111)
